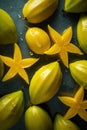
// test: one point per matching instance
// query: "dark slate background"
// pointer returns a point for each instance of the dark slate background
(60, 20)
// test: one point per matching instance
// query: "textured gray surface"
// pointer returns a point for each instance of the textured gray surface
(59, 21)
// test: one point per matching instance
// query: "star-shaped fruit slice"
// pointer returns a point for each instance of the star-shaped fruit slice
(17, 64)
(62, 44)
(77, 104)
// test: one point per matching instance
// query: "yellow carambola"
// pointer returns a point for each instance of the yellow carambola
(8, 32)
(45, 83)
(38, 40)
(78, 71)
(11, 109)
(60, 123)
(37, 118)
(36, 11)
(82, 32)
(75, 6)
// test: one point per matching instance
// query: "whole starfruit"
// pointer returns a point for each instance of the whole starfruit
(37, 118)
(1, 68)
(82, 32)
(36, 11)
(75, 6)
(11, 109)
(8, 32)
(78, 71)
(37, 40)
(45, 83)
(62, 124)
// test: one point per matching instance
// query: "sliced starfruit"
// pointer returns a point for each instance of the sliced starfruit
(82, 32)
(63, 124)
(78, 71)
(36, 11)
(75, 6)
(8, 32)
(45, 83)
(37, 118)
(1, 69)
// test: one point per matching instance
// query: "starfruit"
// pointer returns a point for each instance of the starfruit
(82, 32)
(45, 83)
(78, 71)
(36, 11)
(37, 40)
(75, 6)
(8, 32)
(1, 69)
(37, 118)
(63, 124)
(11, 109)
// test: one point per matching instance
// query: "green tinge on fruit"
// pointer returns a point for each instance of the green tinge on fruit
(62, 124)
(45, 83)
(78, 71)
(36, 11)
(82, 32)
(1, 69)
(37, 118)
(11, 109)
(8, 32)
(75, 6)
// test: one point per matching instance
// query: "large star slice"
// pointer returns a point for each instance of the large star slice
(77, 104)
(17, 64)
(62, 44)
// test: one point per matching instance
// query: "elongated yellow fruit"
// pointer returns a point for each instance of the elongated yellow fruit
(36, 11)
(45, 83)
(38, 40)
(11, 109)
(8, 31)
(62, 124)
(37, 118)
(78, 71)
(75, 6)
(82, 32)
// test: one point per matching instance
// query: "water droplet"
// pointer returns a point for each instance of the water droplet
(66, 70)
(31, 53)
(21, 39)
(11, 7)
(21, 33)
(19, 16)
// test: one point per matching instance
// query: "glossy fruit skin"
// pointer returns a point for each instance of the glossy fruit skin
(82, 32)
(37, 11)
(1, 69)
(37, 118)
(45, 83)
(75, 6)
(11, 109)
(78, 71)
(37, 40)
(8, 32)
(62, 124)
